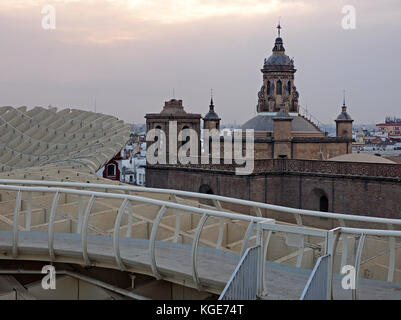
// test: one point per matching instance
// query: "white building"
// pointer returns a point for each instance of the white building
(133, 171)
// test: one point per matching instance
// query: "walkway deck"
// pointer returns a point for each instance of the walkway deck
(174, 263)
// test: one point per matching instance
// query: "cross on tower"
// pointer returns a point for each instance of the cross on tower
(279, 28)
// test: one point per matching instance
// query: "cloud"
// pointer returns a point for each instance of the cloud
(130, 54)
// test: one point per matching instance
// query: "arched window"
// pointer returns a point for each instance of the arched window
(268, 88)
(204, 188)
(157, 128)
(324, 204)
(289, 87)
(111, 170)
(188, 137)
(279, 87)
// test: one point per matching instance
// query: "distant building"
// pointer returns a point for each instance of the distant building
(174, 111)
(391, 127)
(112, 169)
(280, 130)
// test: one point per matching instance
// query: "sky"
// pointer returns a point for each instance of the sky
(130, 56)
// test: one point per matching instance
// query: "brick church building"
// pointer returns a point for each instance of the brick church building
(291, 153)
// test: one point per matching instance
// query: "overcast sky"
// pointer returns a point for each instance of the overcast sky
(130, 54)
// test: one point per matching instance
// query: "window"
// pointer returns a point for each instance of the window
(157, 128)
(111, 170)
(289, 87)
(324, 204)
(268, 87)
(204, 188)
(279, 87)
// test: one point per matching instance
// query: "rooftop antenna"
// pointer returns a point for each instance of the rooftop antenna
(173, 93)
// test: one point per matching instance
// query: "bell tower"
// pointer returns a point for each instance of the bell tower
(344, 123)
(278, 90)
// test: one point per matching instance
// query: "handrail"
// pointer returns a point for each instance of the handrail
(84, 220)
(296, 212)
(263, 223)
(243, 283)
(362, 234)
(217, 214)
(315, 288)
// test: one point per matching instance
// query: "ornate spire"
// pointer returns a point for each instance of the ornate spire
(344, 98)
(211, 100)
(278, 46)
(344, 107)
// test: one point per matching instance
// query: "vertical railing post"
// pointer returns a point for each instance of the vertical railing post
(261, 263)
(330, 247)
(344, 245)
(51, 225)
(152, 242)
(177, 221)
(258, 212)
(17, 209)
(128, 234)
(84, 231)
(219, 243)
(391, 262)
(80, 214)
(248, 234)
(301, 250)
(116, 235)
(195, 245)
(28, 215)
(355, 295)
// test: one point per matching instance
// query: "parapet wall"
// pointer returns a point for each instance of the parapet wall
(354, 188)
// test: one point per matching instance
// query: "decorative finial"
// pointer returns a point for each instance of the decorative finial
(211, 100)
(279, 27)
(344, 98)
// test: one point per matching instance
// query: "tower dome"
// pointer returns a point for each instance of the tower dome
(211, 120)
(211, 115)
(278, 90)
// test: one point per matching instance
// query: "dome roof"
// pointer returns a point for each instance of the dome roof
(360, 157)
(211, 115)
(344, 116)
(264, 122)
(279, 60)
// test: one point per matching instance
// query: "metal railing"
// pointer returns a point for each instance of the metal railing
(316, 287)
(243, 282)
(299, 215)
(264, 227)
(264, 233)
(85, 213)
(361, 235)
